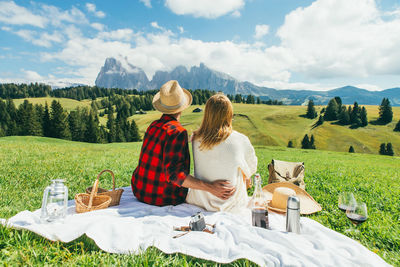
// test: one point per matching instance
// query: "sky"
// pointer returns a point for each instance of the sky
(283, 44)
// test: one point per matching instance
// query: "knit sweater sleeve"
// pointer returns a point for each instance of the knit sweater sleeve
(250, 157)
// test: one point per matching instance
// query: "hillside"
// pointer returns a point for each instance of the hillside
(31, 162)
(276, 125)
(68, 104)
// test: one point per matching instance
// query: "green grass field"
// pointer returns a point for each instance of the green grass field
(68, 104)
(29, 163)
(276, 125)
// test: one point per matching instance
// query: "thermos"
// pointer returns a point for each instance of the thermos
(293, 215)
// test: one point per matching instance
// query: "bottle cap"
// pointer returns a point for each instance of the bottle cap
(293, 202)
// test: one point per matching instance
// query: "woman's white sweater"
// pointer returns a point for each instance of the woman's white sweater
(225, 161)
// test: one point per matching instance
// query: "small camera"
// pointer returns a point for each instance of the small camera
(197, 222)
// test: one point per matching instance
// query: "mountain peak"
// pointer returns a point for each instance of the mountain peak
(123, 74)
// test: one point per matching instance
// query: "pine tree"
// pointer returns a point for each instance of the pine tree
(305, 143)
(312, 145)
(28, 120)
(339, 102)
(92, 130)
(311, 113)
(397, 128)
(382, 149)
(238, 98)
(111, 127)
(331, 111)
(58, 121)
(290, 144)
(389, 149)
(351, 149)
(385, 111)
(364, 117)
(46, 124)
(76, 122)
(344, 116)
(134, 132)
(355, 115)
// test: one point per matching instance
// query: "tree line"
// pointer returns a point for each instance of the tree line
(200, 96)
(355, 116)
(81, 124)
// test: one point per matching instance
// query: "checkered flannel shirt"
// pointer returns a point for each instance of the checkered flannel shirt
(164, 164)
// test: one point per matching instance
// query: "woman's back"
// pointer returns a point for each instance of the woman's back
(224, 161)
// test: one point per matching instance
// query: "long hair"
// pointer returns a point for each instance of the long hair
(217, 122)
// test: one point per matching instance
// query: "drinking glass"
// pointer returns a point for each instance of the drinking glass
(346, 201)
(357, 214)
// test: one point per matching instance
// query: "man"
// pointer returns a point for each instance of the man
(162, 175)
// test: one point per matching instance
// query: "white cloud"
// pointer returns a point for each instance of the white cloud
(120, 35)
(41, 39)
(11, 13)
(32, 76)
(92, 9)
(56, 16)
(181, 29)
(154, 24)
(98, 26)
(146, 3)
(205, 8)
(328, 39)
(336, 38)
(236, 14)
(261, 30)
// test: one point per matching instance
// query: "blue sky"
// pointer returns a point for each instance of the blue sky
(285, 44)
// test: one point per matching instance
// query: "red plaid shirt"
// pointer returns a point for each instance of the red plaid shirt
(164, 164)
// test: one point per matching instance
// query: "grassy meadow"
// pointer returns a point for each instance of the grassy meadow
(68, 104)
(29, 163)
(276, 125)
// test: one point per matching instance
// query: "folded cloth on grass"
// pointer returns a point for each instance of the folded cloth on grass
(133, 226)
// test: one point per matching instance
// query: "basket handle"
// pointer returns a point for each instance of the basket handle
(112, 174)
(93, 193)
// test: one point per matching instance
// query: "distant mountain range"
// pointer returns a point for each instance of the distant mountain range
(117, 74)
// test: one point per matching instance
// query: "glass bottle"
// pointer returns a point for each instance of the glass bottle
(259, 211)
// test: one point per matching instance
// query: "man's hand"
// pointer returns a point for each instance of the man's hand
(222, 189)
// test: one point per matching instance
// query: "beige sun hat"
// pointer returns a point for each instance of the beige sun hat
(278, 194)
(172, 98)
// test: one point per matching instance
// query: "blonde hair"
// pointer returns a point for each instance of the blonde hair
(217, 122)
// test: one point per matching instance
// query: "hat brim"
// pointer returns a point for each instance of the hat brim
(275, 209)
(307, 203)
(187, 101)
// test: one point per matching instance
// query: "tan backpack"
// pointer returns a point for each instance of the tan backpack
(284, 171)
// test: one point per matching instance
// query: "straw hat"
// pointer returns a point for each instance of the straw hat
(278, 194)
(172, 98)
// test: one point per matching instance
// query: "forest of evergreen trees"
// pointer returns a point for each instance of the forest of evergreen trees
(81, 124)
(200, 97)
(355, 116)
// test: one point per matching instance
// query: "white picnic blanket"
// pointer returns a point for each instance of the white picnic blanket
(133, 226)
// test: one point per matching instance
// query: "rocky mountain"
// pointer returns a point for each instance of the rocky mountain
(114, 75)
(122, 74)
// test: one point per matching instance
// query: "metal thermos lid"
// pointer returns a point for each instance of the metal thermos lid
(293, 203)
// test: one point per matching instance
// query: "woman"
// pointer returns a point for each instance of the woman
(221, 153)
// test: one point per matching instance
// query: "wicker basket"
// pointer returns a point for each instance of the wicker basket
(114, 194)
(89, 202)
